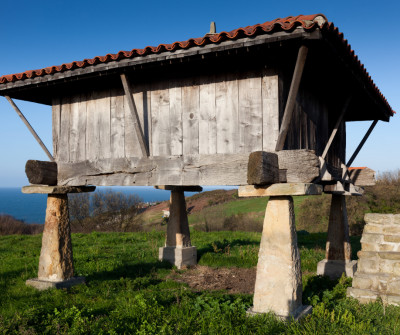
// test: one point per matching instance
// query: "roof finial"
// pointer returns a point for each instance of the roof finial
(213, 28)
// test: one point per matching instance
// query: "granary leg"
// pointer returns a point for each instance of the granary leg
(338, 249)
(56, 268)
(178, 249)
(278, 285)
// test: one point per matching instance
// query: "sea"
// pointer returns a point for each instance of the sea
(31, 208)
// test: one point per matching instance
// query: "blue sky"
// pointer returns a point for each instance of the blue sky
(37, 34)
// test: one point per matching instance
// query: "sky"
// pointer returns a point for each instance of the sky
(42, 33)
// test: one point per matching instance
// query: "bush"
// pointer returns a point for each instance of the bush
(384, 198)
(104, 211)
(11, 226)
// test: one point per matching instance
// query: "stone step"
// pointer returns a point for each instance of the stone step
(382, 262)
(383, 283)
(366, 296)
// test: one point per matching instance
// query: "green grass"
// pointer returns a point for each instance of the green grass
(128, 292)
(254, 207)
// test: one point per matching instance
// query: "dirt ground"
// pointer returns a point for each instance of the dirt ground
(233, 280)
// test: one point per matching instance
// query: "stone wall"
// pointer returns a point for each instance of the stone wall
(378, 271)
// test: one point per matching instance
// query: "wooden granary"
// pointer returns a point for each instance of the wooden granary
(263, 107)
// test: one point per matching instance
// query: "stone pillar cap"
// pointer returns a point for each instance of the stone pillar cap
(45, 189)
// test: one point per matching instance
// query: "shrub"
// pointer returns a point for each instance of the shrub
(11, 226)
(384, 197)
(104, 211)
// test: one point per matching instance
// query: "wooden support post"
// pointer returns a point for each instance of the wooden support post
(338, 249)
(178, 249)
(278, 287)
(291, 100)
(353, 157)
(132, 107)
(33, 132)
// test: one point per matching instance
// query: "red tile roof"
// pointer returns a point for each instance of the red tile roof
(308, 22)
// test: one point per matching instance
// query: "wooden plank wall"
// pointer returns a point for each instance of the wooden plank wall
(217, 114)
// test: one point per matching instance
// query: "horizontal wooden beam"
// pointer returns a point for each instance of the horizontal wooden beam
(34, 189)
(347, 189)
(188, 170)
(263, 168)
(39, 172)
(280, 190)
(362, 176)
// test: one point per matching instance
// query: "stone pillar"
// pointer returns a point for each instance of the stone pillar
(378, 271)
(178, 249)
(338, 249)
(278, 285)
(56, 268)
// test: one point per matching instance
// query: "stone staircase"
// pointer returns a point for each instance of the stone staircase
(378, 270)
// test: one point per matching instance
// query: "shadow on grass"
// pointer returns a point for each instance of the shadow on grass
(130, 271)
(222, 245)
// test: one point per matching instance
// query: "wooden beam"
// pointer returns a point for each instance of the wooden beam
(263, 168)
(136, 121)
(280, 190)
(335, 129)
(291, 100)
(353, 157)
(44, 173)
(33, 132)
(362, 176)
(187, 170)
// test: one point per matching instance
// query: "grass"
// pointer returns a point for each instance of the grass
(128, 291)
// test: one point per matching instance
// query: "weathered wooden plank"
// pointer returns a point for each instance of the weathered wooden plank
(190, 116)
(214, 169)
(270, 110)
(104, 121)
(63, 154)
(302, 165)
(56, 126)
(208, 117)
(161, 134)
(291, 100)
(263, 168)
(136, 120)
(362, 176)
(77, 136)
(175, 116)
(226, 102)
(250, 113)
(117, 130)
(92, 127)
(39, 172)
(280, 190)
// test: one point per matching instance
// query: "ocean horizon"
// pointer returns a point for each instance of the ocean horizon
(31, 208)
